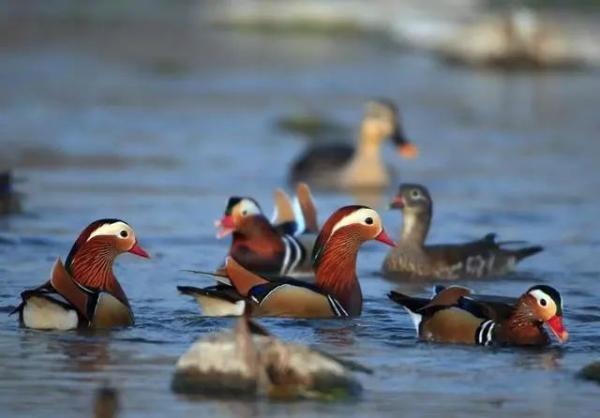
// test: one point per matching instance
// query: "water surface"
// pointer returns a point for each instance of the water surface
(158, 126)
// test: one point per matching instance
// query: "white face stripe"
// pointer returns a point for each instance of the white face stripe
(539, 295)
(113, 229)
(249, 207)
(358, 217)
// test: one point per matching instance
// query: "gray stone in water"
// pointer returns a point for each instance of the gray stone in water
(233, 364)
(591, 372)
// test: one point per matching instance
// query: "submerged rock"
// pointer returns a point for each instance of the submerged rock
(106, 402)
(241, 363)
(10, 201)
(591, 372)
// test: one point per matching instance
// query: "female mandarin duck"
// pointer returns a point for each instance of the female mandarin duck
(258, 245)
(336, 291)
(455, 315)
(412, 258)
(340, 166)
(84, 291)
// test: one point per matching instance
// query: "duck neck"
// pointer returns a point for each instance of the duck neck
(369, 144)
(91, 265)
(258, 234)
(523, 327)
(415, 227)
(335, 269)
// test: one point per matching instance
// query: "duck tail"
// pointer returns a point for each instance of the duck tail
(528, 251)
(411, 305)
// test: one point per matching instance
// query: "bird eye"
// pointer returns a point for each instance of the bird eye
(415, 194)
(244, 212)
(369, 221)
(543, 302)
(123, 234)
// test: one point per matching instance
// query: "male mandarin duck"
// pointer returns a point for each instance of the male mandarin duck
(84, 292)
(260, 246)
(412, 258)
(341, 166)
(336, 291)
(456, 315)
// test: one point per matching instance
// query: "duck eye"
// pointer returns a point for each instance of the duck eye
(123, 234)
(369, 221)
(543, 302)
(415, 194)
(244, 212)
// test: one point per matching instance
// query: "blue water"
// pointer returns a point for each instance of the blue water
(95, 128)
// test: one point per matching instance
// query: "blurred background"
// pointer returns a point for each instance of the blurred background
(156, 111)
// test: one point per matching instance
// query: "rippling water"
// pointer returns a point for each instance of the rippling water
(159, 127)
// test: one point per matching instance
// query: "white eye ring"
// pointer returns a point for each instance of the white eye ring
(543, 302)
(415, 194)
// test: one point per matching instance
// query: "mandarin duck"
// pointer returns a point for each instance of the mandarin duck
(412, 258)
(259, 246)
(335, 293)
(341, 166)
(456, 315)
(84, 292)
(249, 361)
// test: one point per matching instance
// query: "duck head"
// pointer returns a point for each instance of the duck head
(351, 225)
(238, 211)
(542, 304)
(91, 257)
(382, 120)
(415, 202)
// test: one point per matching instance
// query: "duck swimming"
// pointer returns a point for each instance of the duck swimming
(456, 315)
(335, 293)
(412, 258)
(341, 166)
(261, 246)
(84, 292)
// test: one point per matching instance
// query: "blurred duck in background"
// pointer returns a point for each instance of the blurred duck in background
(10, 201)
(336, 292)
(342, 166)
(412, 258)
(456, 315)
(84, 292)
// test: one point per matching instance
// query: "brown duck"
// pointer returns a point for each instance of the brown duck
(341, 166)
(412, 258)
(456, 315)
(84, 292)
(259, 246)
(336, 291)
